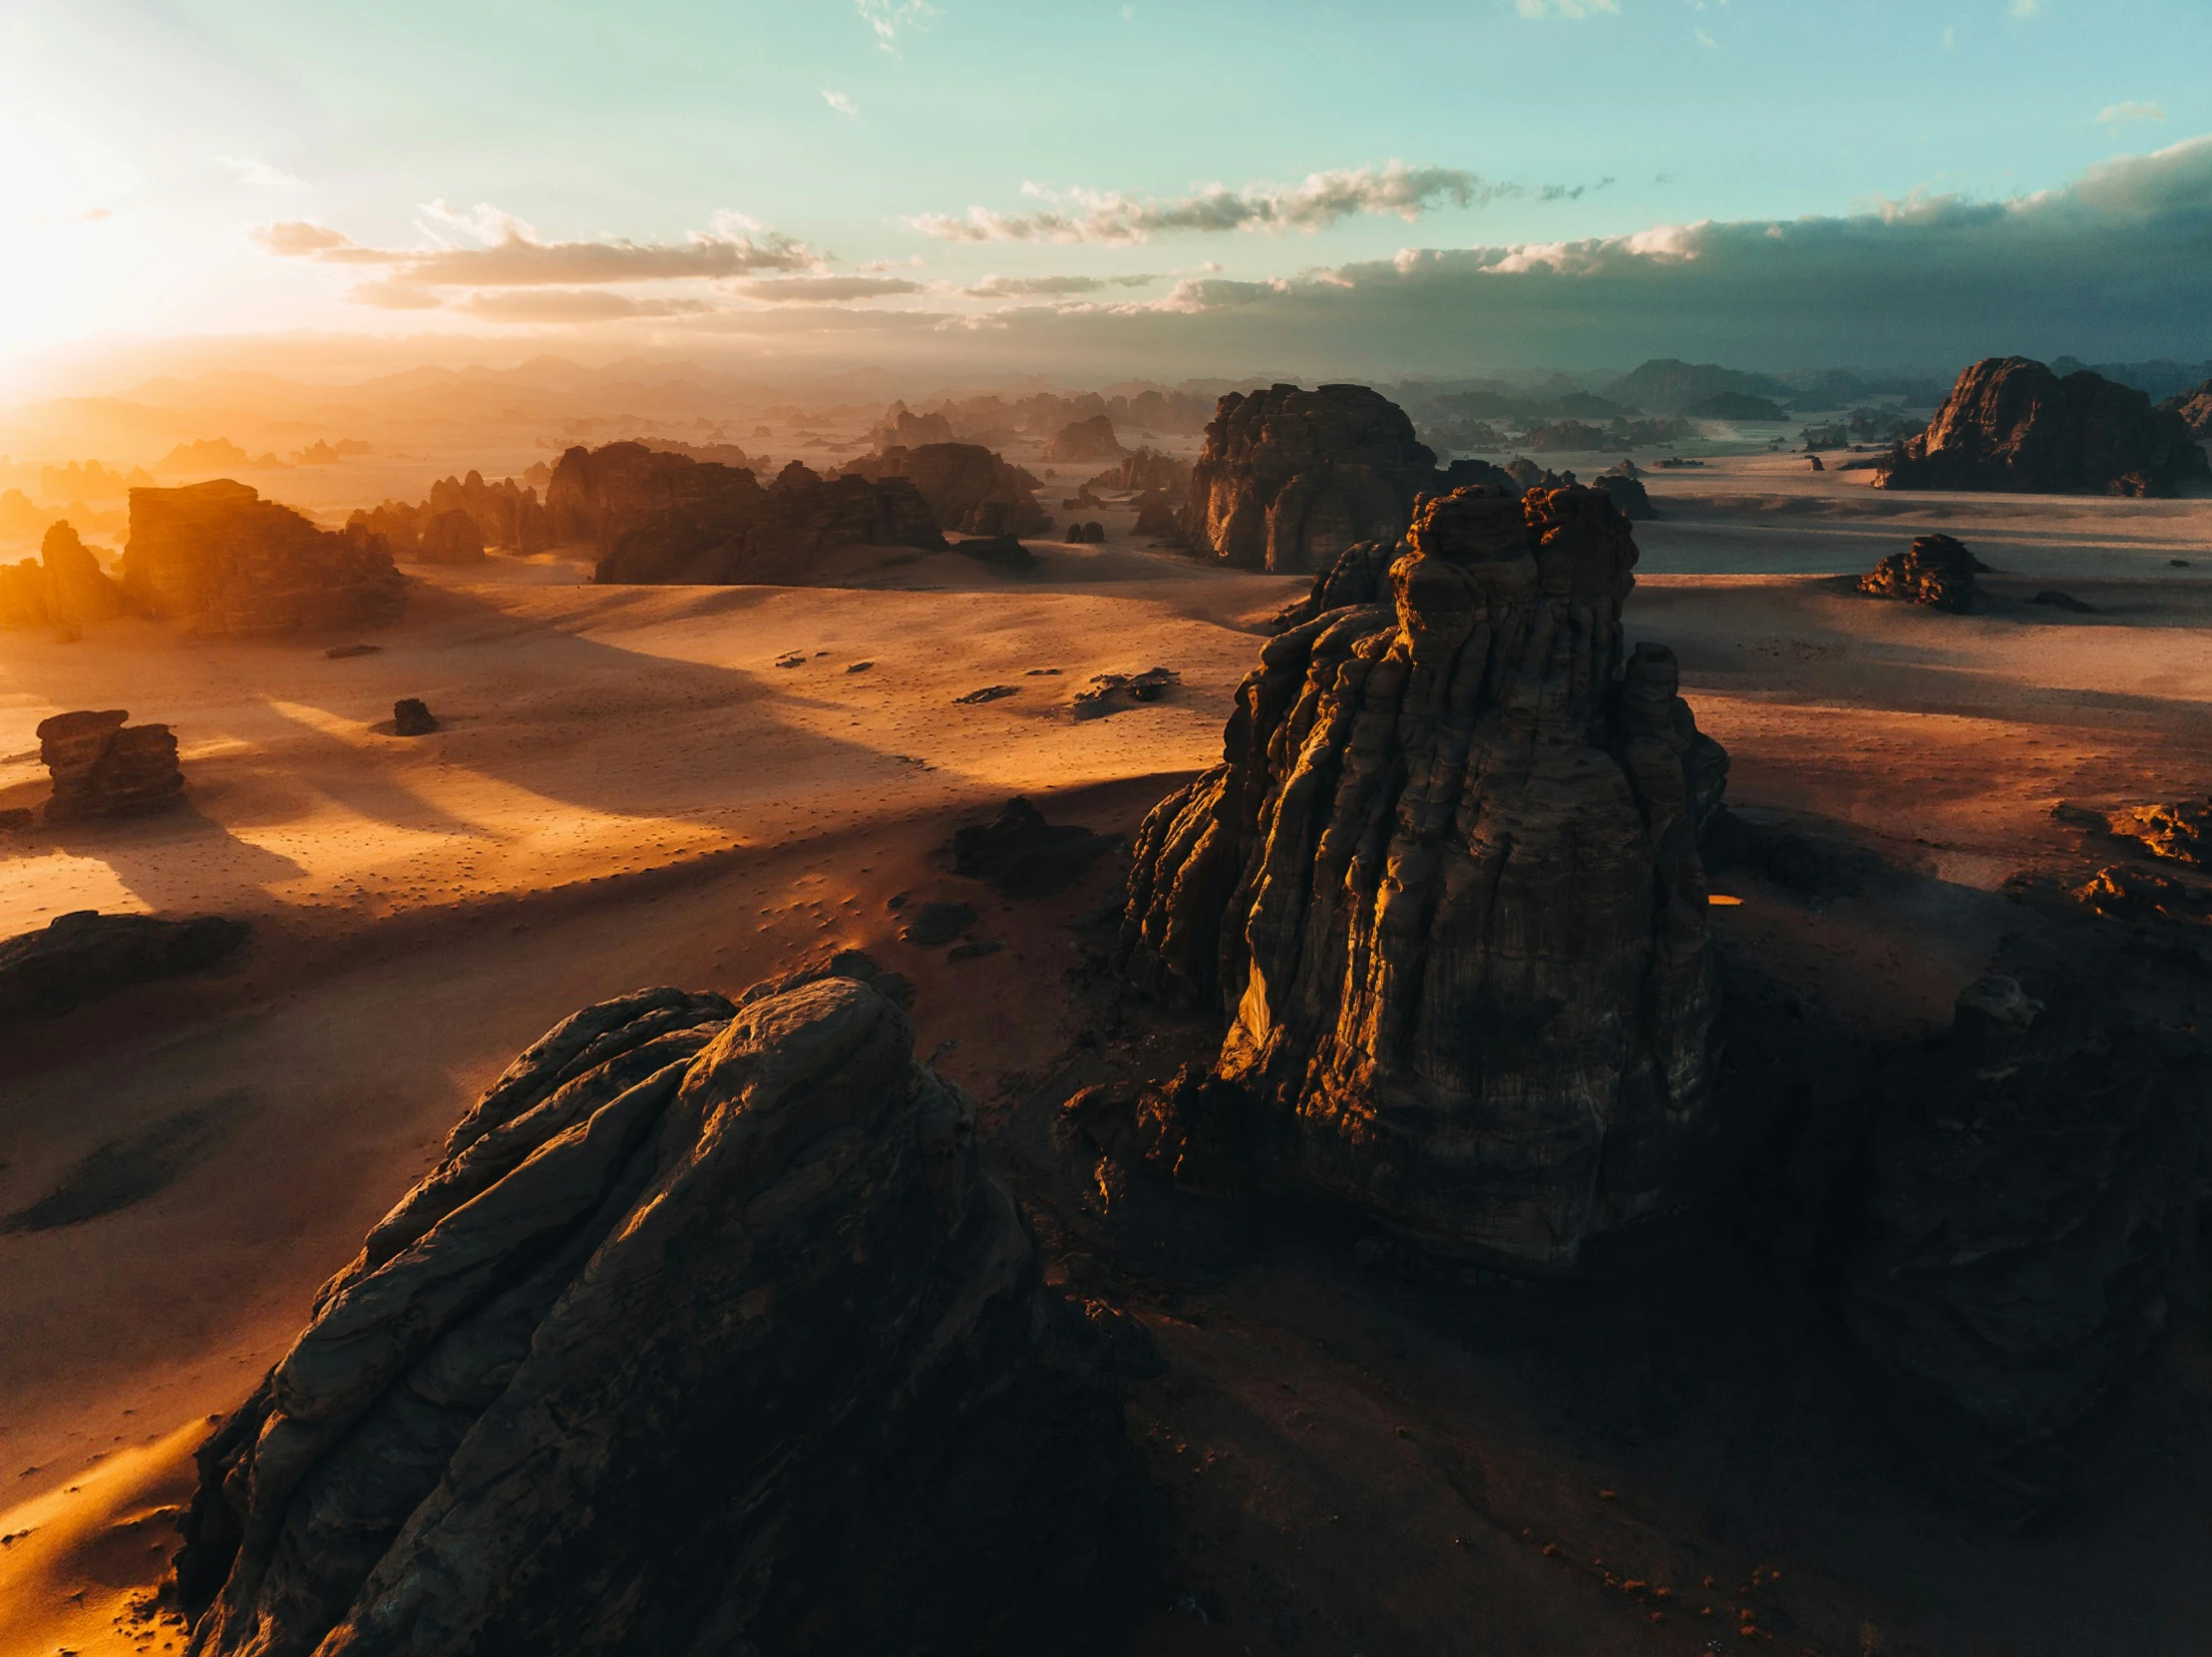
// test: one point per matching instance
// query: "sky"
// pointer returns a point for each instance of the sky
(1097, 187)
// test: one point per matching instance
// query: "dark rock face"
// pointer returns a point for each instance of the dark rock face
(80, 957)
(1083, 440)
(1935, 570)
(1445, 885)
(411, 717)
(1628, 492)
(1158, 514)
(1360, 576)
(1001, 552)
(2036, 1186)
(708, 1333)
(970, 491)
(1022, 855)
(451, 537)
(103, 767)
(2012, 424)
(503, 515)
(2195, 409)
(1290, 478)
(64, 587)
(231, 563)
(2181, 831)
(669, 518)
(1146, 469)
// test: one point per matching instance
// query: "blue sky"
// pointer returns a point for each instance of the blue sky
(147, 149)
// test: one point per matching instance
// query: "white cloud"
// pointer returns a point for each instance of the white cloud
(820, 291)
(1565, 7)
(889, 17)
(1037, 288)
(2122, 115)
(259, 174)
(1321, 200)
(1704, 38)
(2025, 8)
(1949, 39)
(838, 101)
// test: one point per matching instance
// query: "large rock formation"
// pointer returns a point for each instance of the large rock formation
(596, 493)
(103, 767)
(743, 533)
(1083, 440)
(506, 514)
(2012, 424)
(65, 586)
(708, 1333)
(80, 957)
(1290, 478)
(1445, 887)
(1144, 471)
(970, 491)
(218, 555)
(2195, 409)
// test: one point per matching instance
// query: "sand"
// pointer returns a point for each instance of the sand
(629, 789)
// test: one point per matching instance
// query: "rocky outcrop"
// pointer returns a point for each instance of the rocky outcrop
(2012, 424)
(2181, 831)
(970, 491)
(462, 518)
(1022, 855)
(2195, 410)
(1146, 469)
(901, 428)
(1934, 570)
(596, 494)
(64, 587)
(1625, 487)
(227, 562)
(411, 717)
(1445, 887)
(80, 956)
(743, 533)
(103, 767)
(1360, 576)
(708, 1333)
(1158, 514)
(1290, 478)
(1083, 440)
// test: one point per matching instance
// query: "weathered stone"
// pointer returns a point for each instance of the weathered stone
(1445, 887)
(411, 717)
(709, 1333)
(1021, 853)
(2181, 831)
(1360, 576)
(1083, 440)
(2012, 424)
(80, 957)
(218, 555)
(1143, 471)
(1934, 570)
(2195, 409)
(103, 767)
(970, 491)
(451, 537)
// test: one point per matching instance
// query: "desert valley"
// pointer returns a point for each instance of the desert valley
(666, 992)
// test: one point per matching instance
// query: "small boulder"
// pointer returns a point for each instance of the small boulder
(411, 717)
(1022, 855)
(104, 767)
(1935, 570)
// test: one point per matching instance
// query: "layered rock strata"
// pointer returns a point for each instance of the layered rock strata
(103, 767)
(708, 1333)
(2012, 424)
(970, 491)
(1445, 887)
(220, 556)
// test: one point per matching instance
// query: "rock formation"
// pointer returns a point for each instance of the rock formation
(1360, 576)
(1022, 855)
(904, 429)
(462, 518)
(1083, 440)
(2012, 424)
(103, 767)
(1290, 478)
(970, 491)
(1626, 489)
(1445, 887)
(2195, 409)
(667, 518)
(2181, 831)
(80, 957)
(411, 717)
(709, 1333)
(1144, 471)
(64, 587)
(1158, 516)
(218, 555)
(1934, 570)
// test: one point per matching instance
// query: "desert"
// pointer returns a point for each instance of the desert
(941, 933)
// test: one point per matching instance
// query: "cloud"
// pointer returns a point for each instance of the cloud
(1704, 39)
(581, 304)
(1565, 7)
(511, 253)
(889, 17)
(2025, 8)
(1323, 200)
(259, 173)
(820, 290)
(394, 296)
(1044, 288)
(838, 101)
(2122, 115)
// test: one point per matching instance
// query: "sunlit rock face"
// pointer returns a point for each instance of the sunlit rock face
(708, 1333)
(2012, 424)
(220, 557)
(969, 489)
(1445, 888)
(1290, 478)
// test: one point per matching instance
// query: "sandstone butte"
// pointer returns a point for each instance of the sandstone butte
(969, 489)
(219, 557)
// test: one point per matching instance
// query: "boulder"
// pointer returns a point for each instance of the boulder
(1934, 570)
(1290, 478)
(80, 957)
(229, 563)
(2012, 424)
(1084, 440)
(970, 491)
(411, 717)
(1022, 855)
(1445, 888)
(103, 767)
(709, 1331)
(722, 526)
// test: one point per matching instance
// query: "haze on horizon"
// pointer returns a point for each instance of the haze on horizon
(966, 189)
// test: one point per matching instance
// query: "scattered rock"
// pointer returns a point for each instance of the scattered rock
(411, 717)
(2063, 600)
(1445, 887)
(938, 923)
(2137, 894)
(103, 767)
(989, 693)
(343, 652)
(2012, 424)
(229, 563)
(710, 1332)
(859, 667)
(80, 957)
(1022, 855)
(2181, 832)
(1108, 691)
(1935, 570)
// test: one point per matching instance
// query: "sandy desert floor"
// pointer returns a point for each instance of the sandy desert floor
(629, 789)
